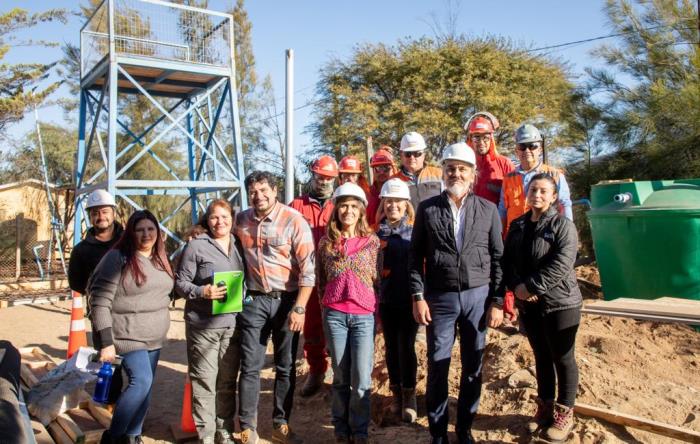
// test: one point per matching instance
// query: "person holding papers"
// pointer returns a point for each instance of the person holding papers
(204, 279)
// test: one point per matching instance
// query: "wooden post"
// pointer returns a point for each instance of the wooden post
(368, 156)
(18, 245)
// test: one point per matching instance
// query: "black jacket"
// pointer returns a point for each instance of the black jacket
(552, 255)
(433, 248)
(85, 257)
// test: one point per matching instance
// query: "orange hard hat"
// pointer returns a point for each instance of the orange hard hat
(350, 164)
(325, 166)
(480, 125)
(381, 157)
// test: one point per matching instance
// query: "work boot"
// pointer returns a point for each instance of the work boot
(562, 425)
(249, 436)
(395, 406)
(282, 434)
(312, 384)
(543, 416)
(409, 406)
(206, 440)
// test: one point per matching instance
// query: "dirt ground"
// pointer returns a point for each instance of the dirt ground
(641, 368)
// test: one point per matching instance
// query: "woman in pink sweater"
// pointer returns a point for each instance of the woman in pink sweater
(348, 265)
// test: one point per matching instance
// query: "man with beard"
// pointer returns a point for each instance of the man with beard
(278, 249)
(491, 166)
(529, 145)
(317, 208)
(103, 233)
(455, 276)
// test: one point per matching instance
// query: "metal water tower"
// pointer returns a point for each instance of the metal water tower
(159, 123)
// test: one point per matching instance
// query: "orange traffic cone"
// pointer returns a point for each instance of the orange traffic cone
(77, 337)
(186, 419)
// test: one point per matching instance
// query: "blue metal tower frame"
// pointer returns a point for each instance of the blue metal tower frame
(132, 47)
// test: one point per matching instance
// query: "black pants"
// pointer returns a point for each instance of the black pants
(400, 331)
(553, 338)
(261, 318)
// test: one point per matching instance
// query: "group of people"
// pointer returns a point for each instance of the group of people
(420, 245)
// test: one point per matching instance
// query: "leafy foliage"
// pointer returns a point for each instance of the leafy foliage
(20, 83)
(432, 87)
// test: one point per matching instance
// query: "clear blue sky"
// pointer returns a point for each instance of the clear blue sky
(319, 30)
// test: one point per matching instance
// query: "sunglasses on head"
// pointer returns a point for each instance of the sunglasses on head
(412, 153)
(529, 146)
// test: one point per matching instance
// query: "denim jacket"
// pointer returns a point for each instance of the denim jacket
(395, 244)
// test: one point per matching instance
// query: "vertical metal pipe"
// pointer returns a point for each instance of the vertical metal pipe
(289, 129)
(79, 172)
(113, 109)
(236, 123)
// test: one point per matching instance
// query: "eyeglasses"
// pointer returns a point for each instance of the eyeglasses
(529, 146)
(412, 153)
(382, 168)
(481, 137)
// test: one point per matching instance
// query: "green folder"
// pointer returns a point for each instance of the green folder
(233, 302)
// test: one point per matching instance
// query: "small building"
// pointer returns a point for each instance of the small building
(25, 225)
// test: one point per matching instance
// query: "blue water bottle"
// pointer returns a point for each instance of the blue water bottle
(104, 378)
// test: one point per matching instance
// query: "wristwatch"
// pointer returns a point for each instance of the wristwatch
(298, 309)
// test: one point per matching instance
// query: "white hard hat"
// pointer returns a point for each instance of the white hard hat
(100, 198)
(459, 151)
(396, 188)
(349, 189)
(412, 142)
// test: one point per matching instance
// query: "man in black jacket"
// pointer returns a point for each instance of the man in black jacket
(455, 277)
(103, 233)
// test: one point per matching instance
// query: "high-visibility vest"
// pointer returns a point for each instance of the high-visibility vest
(514, 196)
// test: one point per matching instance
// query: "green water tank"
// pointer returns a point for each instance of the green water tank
(646, 237)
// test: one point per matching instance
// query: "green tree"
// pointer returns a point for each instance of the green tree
(432, 87)
(20, 83)
(650, 90)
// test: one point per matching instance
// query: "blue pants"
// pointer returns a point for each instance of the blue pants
(350, 342)
(132, 405)
(465, 312)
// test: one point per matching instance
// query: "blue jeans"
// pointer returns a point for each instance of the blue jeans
(132, 405)
(350, 342)
(452, 311)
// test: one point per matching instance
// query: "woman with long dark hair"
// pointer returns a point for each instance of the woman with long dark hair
(129, 297)
(348, 263)
(538, 266)
(212, 348)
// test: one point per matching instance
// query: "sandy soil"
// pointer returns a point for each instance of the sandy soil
(640, 368)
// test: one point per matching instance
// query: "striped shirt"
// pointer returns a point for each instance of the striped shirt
(278, 249)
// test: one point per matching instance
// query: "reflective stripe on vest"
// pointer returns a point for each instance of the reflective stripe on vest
(514, 195)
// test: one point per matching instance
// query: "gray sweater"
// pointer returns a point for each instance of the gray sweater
(200, 259)
(125, 315)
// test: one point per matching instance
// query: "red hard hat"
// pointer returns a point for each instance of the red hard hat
(480, 125)
(350, 164)
(381, 157)
(325, 166)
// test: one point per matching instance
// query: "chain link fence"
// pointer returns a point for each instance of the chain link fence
(23, 256)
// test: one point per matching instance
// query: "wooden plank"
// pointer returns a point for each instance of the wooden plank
(41, 435)
(100, 413)
(91, 428)
(668, 307)
(638, 422)
(58, 434)
(71, 428)
(641, 317)
(27, 376)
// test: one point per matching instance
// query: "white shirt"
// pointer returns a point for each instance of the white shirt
(458, 220)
